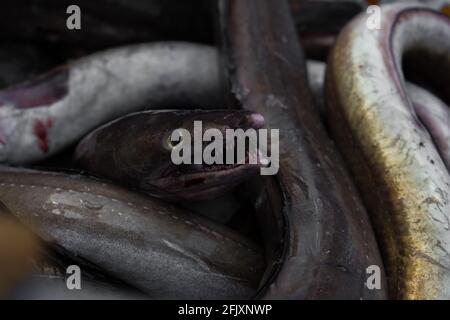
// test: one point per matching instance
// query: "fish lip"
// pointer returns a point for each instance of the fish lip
(199, 181)
(221, 180)
(249, 120)
(223, 170)
(215, 169)
(229, 171)
(200, 184)
(198, 194)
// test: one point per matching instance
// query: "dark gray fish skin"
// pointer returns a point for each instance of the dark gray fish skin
(136, 151)
(148, 244)
(44, 286)
(325, 241)
(220, 209)
(48, 276)
(317, 45)
(324, 16)
(319, 21)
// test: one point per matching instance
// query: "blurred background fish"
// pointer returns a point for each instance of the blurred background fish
(19, 249)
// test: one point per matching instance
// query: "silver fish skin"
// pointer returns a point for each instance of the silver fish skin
(146, 243)
(58, 108)
(392, 145)
(316, 231)
(41, 286)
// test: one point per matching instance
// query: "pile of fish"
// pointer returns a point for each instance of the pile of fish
(87, 180)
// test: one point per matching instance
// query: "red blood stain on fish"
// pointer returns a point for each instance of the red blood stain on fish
(41, 91)
(41, 132)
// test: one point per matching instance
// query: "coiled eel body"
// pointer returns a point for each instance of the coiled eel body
(55, 110)
(320, 224)
(425, 103)
(39, 286)
(146, 243)
(136, 151)
(49, 278)
(319, 21)
(393, 151)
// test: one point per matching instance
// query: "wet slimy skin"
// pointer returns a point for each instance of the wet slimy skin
(316, 231)
(394, 147)
(435, 116)
(136, 151)
(150, 245)
(320, 21)
(40, 117)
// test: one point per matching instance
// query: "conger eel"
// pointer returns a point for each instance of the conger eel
(321, 242)
(55, 110)
(398, 150)
(136, 151)
(156, 248)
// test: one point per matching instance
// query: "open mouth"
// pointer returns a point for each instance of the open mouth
(217, 175)
(251, 160)
(237, 157)
(207, 178)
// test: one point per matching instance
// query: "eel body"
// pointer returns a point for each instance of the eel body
(397, 149)
(320, 21)
(148, 244)
(53, 111)
(320, 224)
(137, 151)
